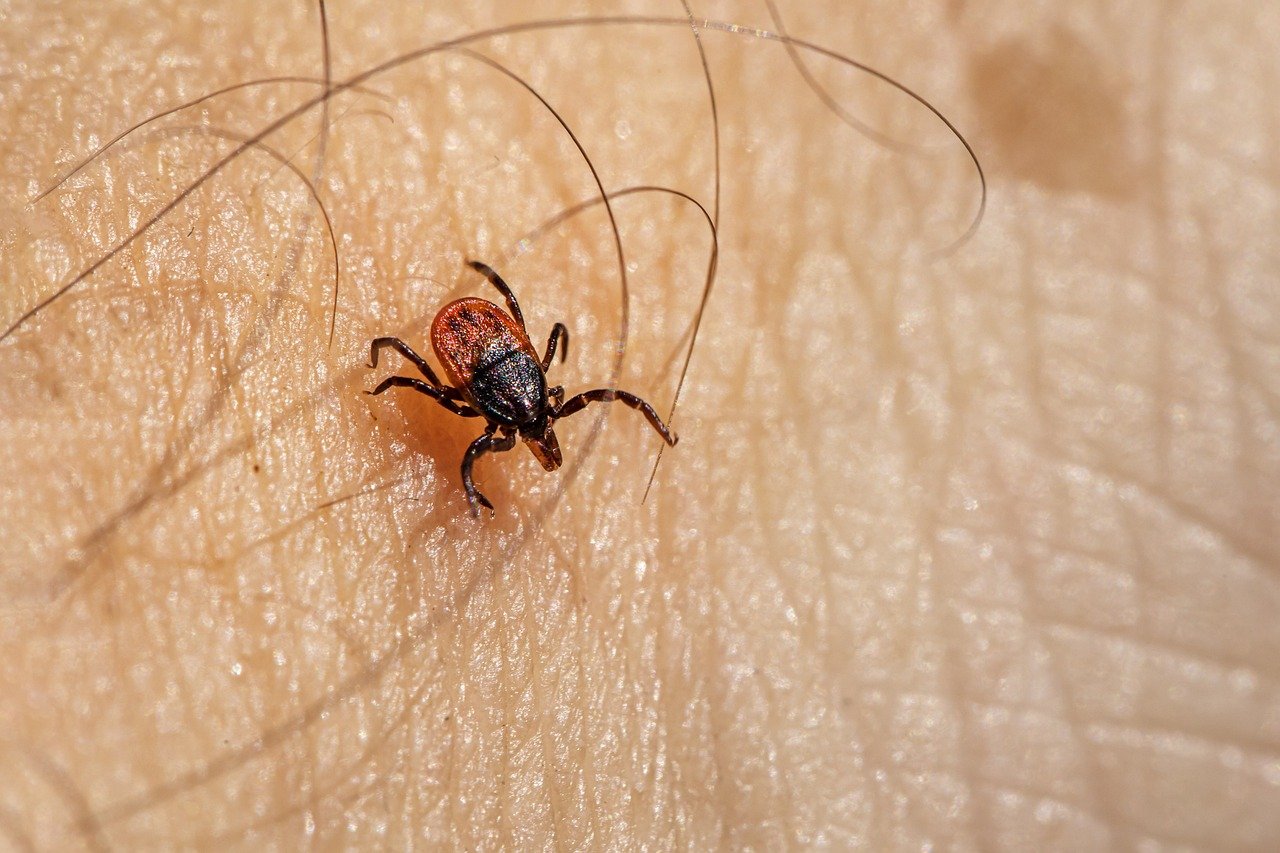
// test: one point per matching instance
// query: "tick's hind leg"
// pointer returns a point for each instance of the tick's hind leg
(496, 280)
(604, 395)
(379, 344)
(487, 443)
(444, 396)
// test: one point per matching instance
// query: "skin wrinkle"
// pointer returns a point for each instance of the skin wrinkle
(507, 677)
(179, 483)
(68, 791)
(269, 741)
(11, 822)
(869, 757)
(1184, 511)
(231, 367)
(365, 758)
(1246, 447)
(813, 613)
(1099, 801)
(1192, 523)
(894, 359)
(1063, 632)
(930, 526)
(951, 453)
(153, 493)
(1159, 205)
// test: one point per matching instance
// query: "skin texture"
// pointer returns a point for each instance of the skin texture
(974, 552)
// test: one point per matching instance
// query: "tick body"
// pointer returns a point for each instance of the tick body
(496, 375)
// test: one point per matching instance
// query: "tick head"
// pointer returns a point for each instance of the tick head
(541, 440)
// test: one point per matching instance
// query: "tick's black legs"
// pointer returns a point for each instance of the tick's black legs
(558, 331)
(496, 280)
(487, 443)
(440, 395)
(379, 344)
(604, 395)
(433, 387)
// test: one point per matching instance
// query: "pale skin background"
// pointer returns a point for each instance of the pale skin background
(970, 553)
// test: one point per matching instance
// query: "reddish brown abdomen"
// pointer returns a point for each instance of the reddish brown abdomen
(466, 330)
(488, 357)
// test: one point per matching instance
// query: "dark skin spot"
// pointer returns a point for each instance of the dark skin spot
(1055, 109)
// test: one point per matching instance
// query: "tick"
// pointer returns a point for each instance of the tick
(497, 375)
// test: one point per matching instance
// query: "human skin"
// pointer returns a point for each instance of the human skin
(973, 551)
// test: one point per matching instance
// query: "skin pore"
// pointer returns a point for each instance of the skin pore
(975, 552)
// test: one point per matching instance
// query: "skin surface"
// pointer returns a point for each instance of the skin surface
(975, 552)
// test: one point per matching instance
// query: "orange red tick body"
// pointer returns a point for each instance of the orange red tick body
(496, 375)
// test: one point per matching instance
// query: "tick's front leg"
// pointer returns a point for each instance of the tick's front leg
(487, 443)
(605, 395)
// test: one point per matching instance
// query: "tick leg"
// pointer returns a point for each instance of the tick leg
(604, 395)
(558, 331)
(440, 395)
(379, 344)
(496, 280)
(486, 443)
(556, 394)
